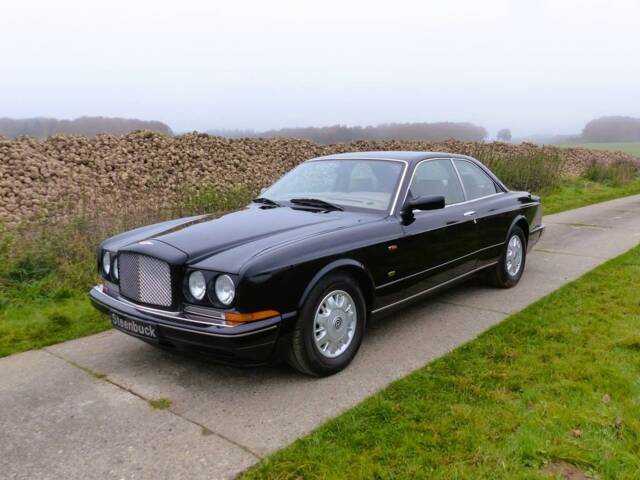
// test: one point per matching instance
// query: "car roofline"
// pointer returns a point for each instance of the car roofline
(410, 157)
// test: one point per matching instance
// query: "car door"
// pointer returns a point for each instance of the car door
(438, 245)
(486, 199)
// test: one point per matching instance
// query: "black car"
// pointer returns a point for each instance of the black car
(299, 272)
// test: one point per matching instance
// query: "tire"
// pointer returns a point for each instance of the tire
(323, 308)
(503, 274)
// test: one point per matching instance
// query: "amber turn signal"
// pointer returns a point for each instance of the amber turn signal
(250, 317)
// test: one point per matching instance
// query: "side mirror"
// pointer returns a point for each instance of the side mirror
(429, 202)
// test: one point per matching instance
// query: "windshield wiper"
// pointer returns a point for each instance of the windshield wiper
(315, 202)
(266, 201)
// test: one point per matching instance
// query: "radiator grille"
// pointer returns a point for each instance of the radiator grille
(145, 279)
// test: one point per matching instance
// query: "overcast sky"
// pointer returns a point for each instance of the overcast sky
(536, 66)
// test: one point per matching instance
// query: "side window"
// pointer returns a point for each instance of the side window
(476, 182)
(437, 177)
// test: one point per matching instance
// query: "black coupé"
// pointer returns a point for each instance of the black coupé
(299, 272)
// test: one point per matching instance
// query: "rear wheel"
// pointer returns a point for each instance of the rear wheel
(330, 327)
(508, 271)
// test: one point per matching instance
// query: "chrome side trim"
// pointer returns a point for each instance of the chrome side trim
(525, 205)
(433, 288)
(322, 159)
(437, 266)
(455, 168)
(475, 199)
(399, 188)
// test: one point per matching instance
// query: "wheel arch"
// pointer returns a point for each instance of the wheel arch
(522, 222)
(350, 266)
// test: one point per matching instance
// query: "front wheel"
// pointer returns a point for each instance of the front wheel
(330, 327)
(508, 271)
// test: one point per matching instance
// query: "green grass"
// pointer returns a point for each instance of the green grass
(557, 382)
(46, 271)
(582, 192)
(160, 403)
(632, 148)
(35, 324)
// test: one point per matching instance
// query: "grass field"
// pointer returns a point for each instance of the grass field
(632, 148)
(553, 389)
(581, 192)
(38, 323)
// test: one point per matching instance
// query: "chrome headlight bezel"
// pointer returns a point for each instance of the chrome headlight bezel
(106, 263)
(197, 285)
(116, 273)
(225, 289)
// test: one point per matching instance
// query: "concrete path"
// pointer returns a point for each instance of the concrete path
(79, 409)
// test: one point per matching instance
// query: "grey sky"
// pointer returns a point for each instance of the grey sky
(535, 66)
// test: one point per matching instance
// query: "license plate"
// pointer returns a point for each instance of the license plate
(135, 327)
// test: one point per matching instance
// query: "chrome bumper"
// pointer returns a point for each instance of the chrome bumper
(250, 343)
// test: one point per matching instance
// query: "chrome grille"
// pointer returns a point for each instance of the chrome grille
(145, 279)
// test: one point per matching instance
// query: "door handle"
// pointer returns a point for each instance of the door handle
(469, 213)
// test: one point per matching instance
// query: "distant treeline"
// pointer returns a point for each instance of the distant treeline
(609, 129)
(88, 126)
(612, 129)
(389, 131)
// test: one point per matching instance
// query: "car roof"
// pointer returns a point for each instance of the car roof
(407, 156)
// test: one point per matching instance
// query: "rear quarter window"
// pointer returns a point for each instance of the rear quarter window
(476, 182)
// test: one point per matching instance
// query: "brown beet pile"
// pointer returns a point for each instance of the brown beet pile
(68, 174)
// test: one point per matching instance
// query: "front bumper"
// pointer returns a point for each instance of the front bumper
(247, 344)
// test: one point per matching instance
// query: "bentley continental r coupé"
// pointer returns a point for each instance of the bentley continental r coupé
(299, 273)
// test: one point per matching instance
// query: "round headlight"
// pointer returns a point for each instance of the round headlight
(225, 289)
(197, 285)
(116, 274)
(106, 263)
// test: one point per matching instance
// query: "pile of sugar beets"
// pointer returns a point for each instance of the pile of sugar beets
(66, 175)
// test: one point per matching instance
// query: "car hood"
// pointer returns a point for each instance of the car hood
(247, 232)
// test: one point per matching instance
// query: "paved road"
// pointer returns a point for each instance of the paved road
(61, 418)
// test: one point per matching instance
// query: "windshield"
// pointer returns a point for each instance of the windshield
(368, 184)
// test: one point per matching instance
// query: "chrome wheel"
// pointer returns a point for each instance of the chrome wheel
(335, 323)
(514, 255)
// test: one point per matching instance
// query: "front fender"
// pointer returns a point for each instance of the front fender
(332, 266)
